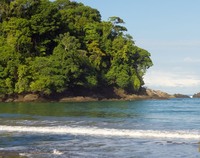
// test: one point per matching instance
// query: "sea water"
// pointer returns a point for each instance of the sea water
(128, 129)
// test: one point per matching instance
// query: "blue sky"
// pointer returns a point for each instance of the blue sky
(170, 31)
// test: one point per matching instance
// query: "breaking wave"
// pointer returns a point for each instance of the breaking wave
(103, 132)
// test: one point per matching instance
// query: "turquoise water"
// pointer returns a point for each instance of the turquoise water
(128, 129)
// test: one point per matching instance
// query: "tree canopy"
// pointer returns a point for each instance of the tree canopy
(53, 47)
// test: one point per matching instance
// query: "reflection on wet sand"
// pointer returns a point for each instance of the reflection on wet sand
(7, 154)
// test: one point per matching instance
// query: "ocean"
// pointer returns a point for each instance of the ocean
(107, 129)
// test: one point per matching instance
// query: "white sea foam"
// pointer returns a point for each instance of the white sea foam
(23, 154)
(103, 132)
(56, 152)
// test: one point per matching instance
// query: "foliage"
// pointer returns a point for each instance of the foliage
(52, 47)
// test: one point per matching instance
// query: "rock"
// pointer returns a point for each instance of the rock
(181, 96)
(157, 94)
(9, 100)
(120, 93)
(197, 95)
(2, 97)
(19, 98)
(77, 99)
(31, 97)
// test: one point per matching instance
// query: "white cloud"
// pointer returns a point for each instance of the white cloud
(172, 82)
(176, 65)
(170, 79)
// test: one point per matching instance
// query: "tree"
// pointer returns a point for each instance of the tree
(24, 8)
(74, 63)
(24, 78)
(76, 16)
(9, 61)
(117, 22)
(50, 47)
(92, 39)
(46, 78)
(45, 23)
(4, 10)
(17, 33)
(128, 64)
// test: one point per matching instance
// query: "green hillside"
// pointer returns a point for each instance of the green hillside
(56, 47)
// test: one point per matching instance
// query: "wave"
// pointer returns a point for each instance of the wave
(104, 132)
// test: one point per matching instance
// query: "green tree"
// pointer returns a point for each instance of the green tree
(18, 35)
(128, 64)
(46, 78)
(4, 10)
(9, 61)
(45, 23)
(24, 8)
(24, 78)
(74, 63)
(51, 47)
(117, 22)
(75, 17)
(93, 42)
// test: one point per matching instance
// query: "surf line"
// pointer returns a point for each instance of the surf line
(105, 132)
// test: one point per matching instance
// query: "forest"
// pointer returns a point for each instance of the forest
(55, 47)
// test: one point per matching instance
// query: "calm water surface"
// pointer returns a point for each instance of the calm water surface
(128, 129)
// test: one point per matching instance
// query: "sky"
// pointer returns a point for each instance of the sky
(170, 31)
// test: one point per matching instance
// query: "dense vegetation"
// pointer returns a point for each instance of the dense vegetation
(53, 47)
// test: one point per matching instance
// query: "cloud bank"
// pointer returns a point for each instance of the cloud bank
(172, 82)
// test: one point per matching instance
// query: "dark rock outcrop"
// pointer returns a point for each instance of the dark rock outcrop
(9, 100)
(30, 97)
(197, 95)
(181, 96)
(157, 94)
(84, 96)
(77, 99)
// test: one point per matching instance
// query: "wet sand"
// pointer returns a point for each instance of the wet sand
(11, 154)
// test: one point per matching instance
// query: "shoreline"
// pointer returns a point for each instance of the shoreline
(75, 99)
(118, 95)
